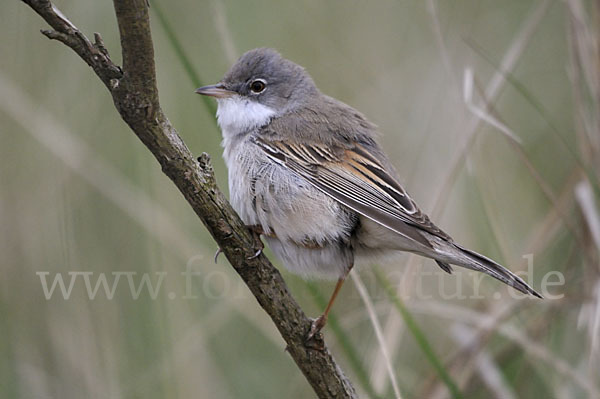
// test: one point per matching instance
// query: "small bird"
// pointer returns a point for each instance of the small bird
(306, 172)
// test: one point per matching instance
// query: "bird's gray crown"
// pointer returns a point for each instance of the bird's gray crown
(286, 84)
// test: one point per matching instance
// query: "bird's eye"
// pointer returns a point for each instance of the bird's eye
(258, 86)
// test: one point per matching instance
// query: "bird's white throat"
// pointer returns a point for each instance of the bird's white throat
(237, 115)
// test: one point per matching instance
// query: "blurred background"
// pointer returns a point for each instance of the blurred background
(489, 111)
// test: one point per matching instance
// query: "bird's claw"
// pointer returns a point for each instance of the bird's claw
(256, 231)
(256, 254)
(219, 252)
(316, 326)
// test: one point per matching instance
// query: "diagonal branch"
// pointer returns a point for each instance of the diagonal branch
(135, 95)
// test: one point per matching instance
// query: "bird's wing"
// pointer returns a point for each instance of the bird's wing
(354, 177)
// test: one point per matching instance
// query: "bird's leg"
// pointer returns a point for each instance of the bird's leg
(320, 321)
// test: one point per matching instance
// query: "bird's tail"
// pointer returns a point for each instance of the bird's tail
(474, 261)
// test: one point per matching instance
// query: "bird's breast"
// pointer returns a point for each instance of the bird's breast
(268, 194)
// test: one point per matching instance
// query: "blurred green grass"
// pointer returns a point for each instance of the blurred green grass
(109, 209)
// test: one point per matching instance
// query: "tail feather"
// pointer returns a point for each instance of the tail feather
(445, 266)
(485, 265)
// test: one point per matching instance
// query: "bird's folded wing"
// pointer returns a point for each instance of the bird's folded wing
(355, 178)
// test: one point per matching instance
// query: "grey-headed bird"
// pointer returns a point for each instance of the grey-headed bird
(306, 171)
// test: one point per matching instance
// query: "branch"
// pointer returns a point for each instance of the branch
(135, 95)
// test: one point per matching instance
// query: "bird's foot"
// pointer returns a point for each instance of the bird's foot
(256, 231)
(314, 334)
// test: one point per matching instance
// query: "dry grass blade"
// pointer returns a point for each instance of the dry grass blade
(481, 112)
(419, 336)
(590, 311)
(462, 363)
(539, 351)
(512, 55)
(484, 364)
(364, 295)
(585, 198)
(393, 331)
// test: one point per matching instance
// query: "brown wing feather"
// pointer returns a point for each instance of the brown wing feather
(358, 180)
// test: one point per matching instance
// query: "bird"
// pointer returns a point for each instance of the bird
(307, 173)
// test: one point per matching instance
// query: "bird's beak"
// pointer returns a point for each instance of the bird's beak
(218, 91)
